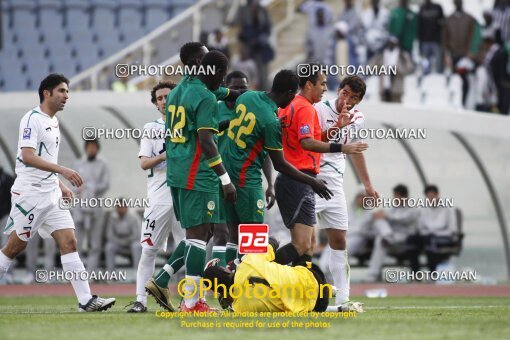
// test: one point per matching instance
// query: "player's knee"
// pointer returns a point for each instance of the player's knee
(302, 246)
(337, 243)
(69, 245)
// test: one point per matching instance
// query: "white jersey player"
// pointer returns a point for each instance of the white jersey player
(37, 191)
(159, 217)
(332, 214)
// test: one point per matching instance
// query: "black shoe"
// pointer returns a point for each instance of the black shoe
(138, 307)
(96, 304)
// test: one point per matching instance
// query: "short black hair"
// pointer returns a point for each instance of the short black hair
(216, 59)
(50, 82)
(159, 86)
(312, 75)
(431, 187)
(190, 51)
(401, 189)
(284, 81)
(92, 141)
(356, 83)
(235, 74)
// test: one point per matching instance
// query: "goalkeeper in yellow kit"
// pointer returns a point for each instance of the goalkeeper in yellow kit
(260, 285)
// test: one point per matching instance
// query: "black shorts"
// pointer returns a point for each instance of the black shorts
(296, 201)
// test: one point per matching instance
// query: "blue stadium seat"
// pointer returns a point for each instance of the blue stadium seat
(23, 13)
(50, 15)
(129, 14)
(77, 15)
(103, 14)
(156, 13)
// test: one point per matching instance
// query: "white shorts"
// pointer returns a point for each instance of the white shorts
(37, 212)
(158, 221)
(332, 214)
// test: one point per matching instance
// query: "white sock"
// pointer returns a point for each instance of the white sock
(71, 262)
(145, 271)
(191, 301)
(340, 270)
(5, 263)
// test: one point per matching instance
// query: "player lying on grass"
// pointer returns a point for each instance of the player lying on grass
(261, 285)
(37, 191)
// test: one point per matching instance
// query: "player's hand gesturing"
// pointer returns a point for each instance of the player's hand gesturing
(354, 148)
(229, 192)
(72, 176)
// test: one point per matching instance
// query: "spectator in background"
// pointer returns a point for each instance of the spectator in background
(501, 14)
(499, 67)
(354, 32)
(375, 21)
(217, 41)
(6, 182)
(32, 255)
(396, 230)
(320, 31)
(255, 31)
(391, 87)
(436, 223)
(430, 21)
(90, 221)
(486, 92)
(247, 66)
(404, 25)
(360, 226)
(123, 237)
(458, 34)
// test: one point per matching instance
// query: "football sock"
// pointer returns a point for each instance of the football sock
(286, 254)
(220, 253)
(174, 263)
(72, 263)
(5, 263)
(143, 274)
(231, 252)
(340, 270)
(194, 262)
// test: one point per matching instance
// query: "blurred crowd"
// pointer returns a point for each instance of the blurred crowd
(420, 42)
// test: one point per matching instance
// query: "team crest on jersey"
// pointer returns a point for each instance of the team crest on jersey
(260, 204)
(26, 133)
(211, 205)
(304, 130)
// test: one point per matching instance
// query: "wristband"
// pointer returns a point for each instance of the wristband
(335, 147)
(214, 161)
(225, 179)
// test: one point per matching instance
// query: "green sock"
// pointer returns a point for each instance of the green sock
(195, 257)
(174, 263)
(219, 252)
(231, 252)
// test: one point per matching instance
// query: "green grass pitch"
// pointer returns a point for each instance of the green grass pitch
(388, 318)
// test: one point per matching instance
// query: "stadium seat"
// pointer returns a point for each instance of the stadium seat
(155, 14)
(77, 15)
(23, 13)
(49, 14)
(103, 14)
(130, 14)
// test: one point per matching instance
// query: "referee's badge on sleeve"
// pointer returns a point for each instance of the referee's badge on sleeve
(304, 130)
(26, 133)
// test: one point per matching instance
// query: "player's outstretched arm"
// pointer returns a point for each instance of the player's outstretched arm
(281, 165)
(147, 163)
(31, 159)
(314, 145)
(210, 151)
(360, 166)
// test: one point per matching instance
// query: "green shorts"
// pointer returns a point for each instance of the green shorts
(193, 208)
(249, 207)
